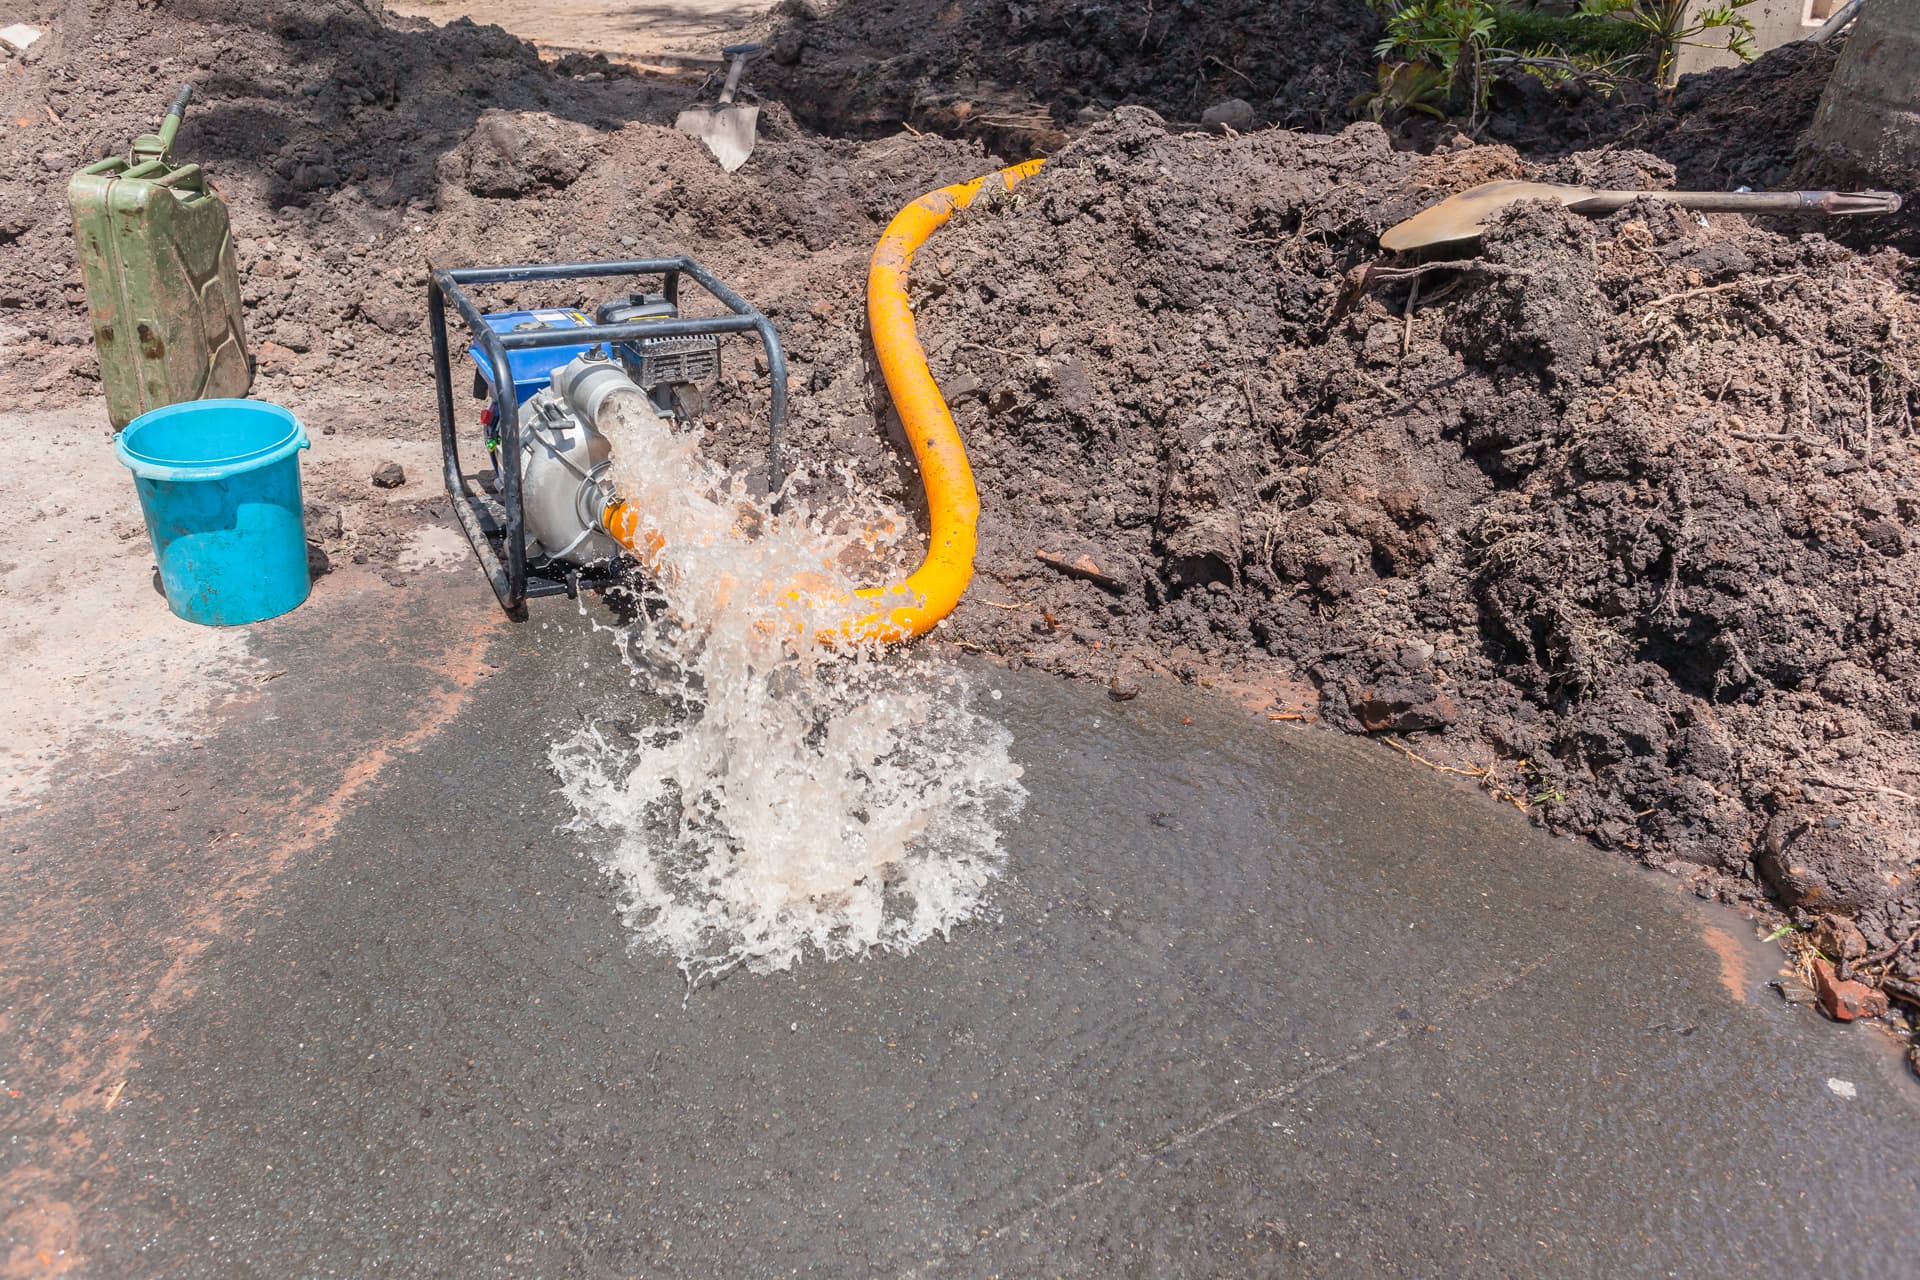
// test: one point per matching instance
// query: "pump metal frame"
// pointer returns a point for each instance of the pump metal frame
(500, 539)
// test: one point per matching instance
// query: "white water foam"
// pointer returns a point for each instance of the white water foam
(800, 798)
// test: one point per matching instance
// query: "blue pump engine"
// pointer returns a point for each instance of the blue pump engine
(673, 371)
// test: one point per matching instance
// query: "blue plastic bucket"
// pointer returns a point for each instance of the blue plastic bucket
(219, 481)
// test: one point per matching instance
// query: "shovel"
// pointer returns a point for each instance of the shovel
(1460, 219)
(727, 129)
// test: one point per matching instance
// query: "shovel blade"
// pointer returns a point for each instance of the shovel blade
(728, 130)
(1460, 219)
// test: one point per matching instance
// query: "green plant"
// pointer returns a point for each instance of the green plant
(1450, 37)
(1670, 25)
(1443, 57)
(1580, 36)
(1406, 86)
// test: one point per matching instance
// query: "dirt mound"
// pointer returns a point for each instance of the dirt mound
(353, 150)
(295, 104)
(1018, 72)
(1720, 129)
(1619, 512)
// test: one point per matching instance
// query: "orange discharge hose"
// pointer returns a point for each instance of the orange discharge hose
(953, 503)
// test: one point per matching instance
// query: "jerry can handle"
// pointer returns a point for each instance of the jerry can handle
(187, 176)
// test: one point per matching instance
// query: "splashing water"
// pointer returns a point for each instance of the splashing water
(801, 796)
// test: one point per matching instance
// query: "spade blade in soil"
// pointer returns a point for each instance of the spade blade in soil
(728, 129)
(1460, 219)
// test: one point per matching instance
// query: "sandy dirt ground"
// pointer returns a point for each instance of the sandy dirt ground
(97, 666)
(668, 35)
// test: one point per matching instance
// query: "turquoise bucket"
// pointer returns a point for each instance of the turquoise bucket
(219, 482)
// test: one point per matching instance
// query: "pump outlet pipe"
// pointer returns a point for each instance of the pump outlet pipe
(953, 503)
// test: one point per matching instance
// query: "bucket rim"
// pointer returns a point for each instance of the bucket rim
(148, 467)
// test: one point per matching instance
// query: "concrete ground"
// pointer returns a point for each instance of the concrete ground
(312, 984)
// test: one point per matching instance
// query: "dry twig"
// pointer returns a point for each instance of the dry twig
(1720, 288)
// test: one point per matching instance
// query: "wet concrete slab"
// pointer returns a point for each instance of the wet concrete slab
(331, 994)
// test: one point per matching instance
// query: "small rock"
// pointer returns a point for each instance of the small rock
(273, 353)
(1414, 656)
(787, 47)
(318, 565)
(391, 315)
(389, 475)
(1883, 536)
(323, 522)
(393, 577)
(1831, 859)
(1842, 1088)
(1846, 1000)
(294, 336)
(1122, 690)
(1235, 114)
(1794, 991)
(20, 37)
(1837, 937)
(1403, 708)
(964, 387)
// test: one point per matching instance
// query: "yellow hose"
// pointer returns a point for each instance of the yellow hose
(953, 503)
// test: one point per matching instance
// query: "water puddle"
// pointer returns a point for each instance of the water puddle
(797, 799)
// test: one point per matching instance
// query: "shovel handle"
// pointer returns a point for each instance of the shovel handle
(741, 55)
(1836, 203)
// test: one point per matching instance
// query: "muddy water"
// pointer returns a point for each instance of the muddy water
(1406, 1031)
(1254, 998)
(1247, 1000)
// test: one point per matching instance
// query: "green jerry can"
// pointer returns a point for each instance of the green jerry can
(162, 287)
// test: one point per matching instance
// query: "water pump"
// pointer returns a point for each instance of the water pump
(537, 519)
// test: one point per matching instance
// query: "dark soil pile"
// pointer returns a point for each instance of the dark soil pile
(1022, 70)
(1721, 129)
(353, 150)
(1617, 513)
